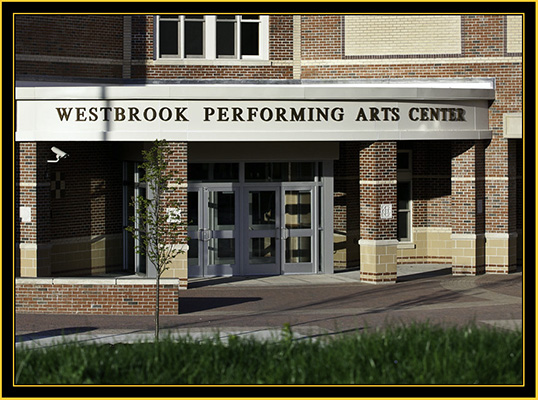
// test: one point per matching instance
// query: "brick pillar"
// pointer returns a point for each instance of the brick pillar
(468, 207)
(32, 213)
(501, 249)
(378, 212)
(178, 162)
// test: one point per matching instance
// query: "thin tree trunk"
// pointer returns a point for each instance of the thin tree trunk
(157, 309)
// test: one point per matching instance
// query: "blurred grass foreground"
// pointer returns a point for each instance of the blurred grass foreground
(415, 354)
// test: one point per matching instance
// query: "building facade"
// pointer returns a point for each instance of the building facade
(306, 144)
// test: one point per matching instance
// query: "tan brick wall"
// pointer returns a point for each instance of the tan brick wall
(374, 35)
(430, 245)
(514, 33)
(378, 261)
(86, 256)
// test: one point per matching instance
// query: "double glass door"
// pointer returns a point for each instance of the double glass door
(280, 231)
(252, 230)
(212, 222)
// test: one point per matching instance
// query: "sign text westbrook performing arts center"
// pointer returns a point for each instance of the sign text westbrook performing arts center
(259, 114)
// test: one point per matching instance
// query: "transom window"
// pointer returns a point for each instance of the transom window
(212, 37)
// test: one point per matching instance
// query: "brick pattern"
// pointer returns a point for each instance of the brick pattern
(211, 72)
(178, 163)
(514, 34)
(390, 35)
(378, 243)
(69, 45)
(378, 186)
(95, 298)
(431, 184)
(94, 36)
(321, 37)
(483, 35)
(468, 216)
(91, 205)
(468, 187)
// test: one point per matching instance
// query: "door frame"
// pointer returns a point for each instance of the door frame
(312, 232)
(204, 234)
(322, 208)
(246, 233)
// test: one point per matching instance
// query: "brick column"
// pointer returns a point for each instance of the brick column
(468, 205)
(178, 162)
(378, 212)
(501, 206)
(32, 210)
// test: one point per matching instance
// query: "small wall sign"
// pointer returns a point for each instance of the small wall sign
(386, 211)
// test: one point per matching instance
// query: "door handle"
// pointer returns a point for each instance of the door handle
(205, 235)
(284, 233)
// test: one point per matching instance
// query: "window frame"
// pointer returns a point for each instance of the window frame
(406, 175)
(210, 41)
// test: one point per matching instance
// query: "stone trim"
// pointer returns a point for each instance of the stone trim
(124, 280)
(383, 242)
(69, 60)
(389, 182)
(413, 61)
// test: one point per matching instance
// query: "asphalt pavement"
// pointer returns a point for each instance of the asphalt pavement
(312, 306)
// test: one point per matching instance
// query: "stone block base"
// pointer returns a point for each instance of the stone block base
(468, 256)
(378, 261)
(501, 252)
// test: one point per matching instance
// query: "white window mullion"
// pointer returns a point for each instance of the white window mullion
(210, 39)
(264, 37)
(181, 33)
(238, 38)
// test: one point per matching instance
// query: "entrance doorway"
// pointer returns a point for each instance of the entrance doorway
(251, 226)
(212, 228)
(280, 230)
(133, 259)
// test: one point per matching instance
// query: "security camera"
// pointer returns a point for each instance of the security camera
(59, 154)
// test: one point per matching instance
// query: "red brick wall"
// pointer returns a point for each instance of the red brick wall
(33, 188)
(82, 39)
(178, 164)
(321, 37)
(431, 183)
(467, 186)
(92, 204)
(70, 35)
(95, 298)
(281, 37)
(377, 168)
(483, 35)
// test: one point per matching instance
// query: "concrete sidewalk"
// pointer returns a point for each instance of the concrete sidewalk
(312, 305)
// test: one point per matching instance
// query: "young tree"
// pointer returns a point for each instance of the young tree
(159, 232)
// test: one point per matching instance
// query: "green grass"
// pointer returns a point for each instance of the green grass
(415, 354)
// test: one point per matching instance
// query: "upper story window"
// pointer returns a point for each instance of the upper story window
(212, 37)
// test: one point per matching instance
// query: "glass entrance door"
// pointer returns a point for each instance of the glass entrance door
(280, 231)
(297, 231)
(213, 218)
(262, 241)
